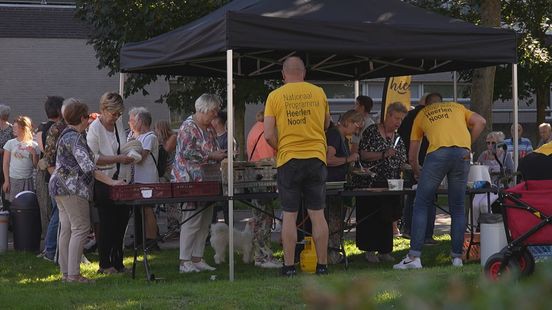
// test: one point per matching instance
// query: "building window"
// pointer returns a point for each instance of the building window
(338, 90)
(447, 90)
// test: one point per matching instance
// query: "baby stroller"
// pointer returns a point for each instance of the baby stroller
(526, 209)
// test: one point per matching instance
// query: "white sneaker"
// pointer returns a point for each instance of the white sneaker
(188, 267)
(371, 257)
(457, 262)
(202, 265)
(408, 263)
(267, 263)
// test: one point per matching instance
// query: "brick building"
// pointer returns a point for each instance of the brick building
(43, 51)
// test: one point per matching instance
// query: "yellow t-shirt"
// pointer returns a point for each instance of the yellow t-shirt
(300, 110)
(444, 124)
(545, 149)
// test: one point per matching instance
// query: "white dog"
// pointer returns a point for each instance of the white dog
(243, 242)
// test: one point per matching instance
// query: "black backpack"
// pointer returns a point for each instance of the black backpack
(162, 160)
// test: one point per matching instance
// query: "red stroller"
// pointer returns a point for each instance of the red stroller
(526, 209)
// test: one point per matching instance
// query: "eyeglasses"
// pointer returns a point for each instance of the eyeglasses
(491, 142)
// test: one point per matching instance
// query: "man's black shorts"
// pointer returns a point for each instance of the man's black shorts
(302, 181)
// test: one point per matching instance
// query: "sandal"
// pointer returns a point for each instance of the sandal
(79, 279)
(110, 270)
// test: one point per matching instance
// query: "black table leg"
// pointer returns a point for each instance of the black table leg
(149, 276)
(135, 243)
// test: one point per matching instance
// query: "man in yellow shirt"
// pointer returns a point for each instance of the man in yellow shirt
(450, 129)
(296, 116)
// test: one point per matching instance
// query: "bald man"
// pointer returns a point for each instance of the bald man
(296, 116)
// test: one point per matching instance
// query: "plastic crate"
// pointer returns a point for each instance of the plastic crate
(211, 172)
(184, 189)
(245, 172)
(541, 251)
(140, 191)
(254, 186)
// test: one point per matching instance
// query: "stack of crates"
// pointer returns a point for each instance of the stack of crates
(253, 176)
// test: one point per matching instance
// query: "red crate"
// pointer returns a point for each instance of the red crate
(134, 191)
(207, 188)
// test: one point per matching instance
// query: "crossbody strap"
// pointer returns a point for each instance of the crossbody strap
(255, 147)
(118, 165)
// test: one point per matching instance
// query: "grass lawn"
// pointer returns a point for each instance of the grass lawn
(30, 282)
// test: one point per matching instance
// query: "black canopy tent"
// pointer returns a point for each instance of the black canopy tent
(338, 39)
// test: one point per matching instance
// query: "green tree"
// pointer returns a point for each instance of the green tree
(532, 20)
(116, 22)
(482, 89)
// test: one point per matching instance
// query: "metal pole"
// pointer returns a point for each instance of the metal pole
(516, 120)
(230, 104)
(357, 88)
(121, 83)
(455, 87)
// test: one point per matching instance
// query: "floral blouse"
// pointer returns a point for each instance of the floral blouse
(388, 168)
(51, 139)
(5, 135)
(74, 172)
(192, 148)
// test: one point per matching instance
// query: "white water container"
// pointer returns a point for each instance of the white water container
(4, 217)
(479, 173)
(493, 235)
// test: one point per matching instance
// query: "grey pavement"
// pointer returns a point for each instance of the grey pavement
(442, 226)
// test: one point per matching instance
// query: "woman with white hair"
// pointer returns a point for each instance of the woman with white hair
(500, 164)
(196, 145)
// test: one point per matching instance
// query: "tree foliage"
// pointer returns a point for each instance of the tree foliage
(532, 20)
(116, 22)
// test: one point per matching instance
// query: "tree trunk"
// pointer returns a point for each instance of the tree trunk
(543, 100)
(483, 78)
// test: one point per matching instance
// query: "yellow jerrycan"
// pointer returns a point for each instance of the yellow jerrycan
(308, 256)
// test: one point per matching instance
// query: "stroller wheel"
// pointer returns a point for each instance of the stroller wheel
(494, 265)
(526, 262)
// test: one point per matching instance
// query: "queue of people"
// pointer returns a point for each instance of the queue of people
(84, 157)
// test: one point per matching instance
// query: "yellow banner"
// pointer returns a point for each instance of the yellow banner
(397, 88)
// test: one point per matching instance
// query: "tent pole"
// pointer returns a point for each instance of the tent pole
(455, 87)
(121, 83)
(230, 108)
(516, 120)
(357, 88)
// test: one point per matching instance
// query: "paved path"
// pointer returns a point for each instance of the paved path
(442, 226)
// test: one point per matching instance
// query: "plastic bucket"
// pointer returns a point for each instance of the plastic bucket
(395, 184)
(493, 235)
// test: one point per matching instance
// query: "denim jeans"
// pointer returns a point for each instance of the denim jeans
(50, 241)
(407, 218)
(454, 163)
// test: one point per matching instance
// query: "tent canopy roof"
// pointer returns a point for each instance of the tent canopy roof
(338, 39)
